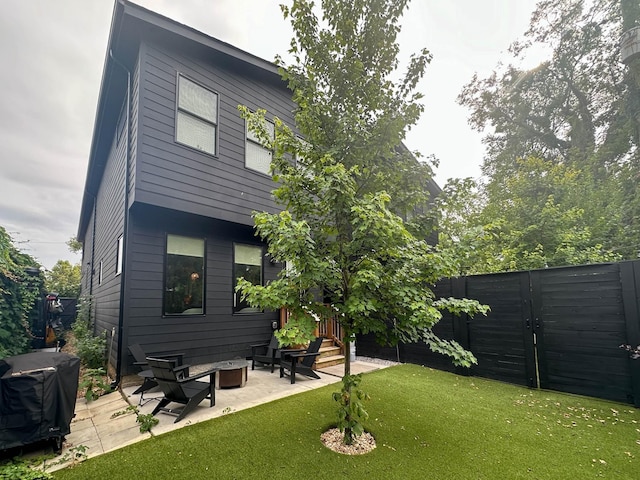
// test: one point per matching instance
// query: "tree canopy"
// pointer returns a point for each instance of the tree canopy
(562, 159)
(345, 182)
(64, 279)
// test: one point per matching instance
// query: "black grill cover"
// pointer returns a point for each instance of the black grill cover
(37, 397)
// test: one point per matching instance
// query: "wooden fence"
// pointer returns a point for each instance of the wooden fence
(557, 329)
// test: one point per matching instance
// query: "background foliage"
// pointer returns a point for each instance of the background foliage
(562, 164)
(64, 279)
(19, 292)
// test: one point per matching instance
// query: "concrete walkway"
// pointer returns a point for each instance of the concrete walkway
(105, 424)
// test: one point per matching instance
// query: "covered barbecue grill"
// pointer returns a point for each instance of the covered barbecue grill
(37, 398)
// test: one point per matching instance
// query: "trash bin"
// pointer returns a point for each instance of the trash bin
(37, 398)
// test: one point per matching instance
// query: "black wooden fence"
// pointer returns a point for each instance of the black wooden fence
(557, 329)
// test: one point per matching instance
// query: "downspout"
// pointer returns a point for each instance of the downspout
(125, 227)
(93, 246)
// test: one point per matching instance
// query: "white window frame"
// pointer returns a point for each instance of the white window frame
(182, 111)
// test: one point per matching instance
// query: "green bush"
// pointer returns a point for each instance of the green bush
(18, 469)
(19, 291)
(90, 348)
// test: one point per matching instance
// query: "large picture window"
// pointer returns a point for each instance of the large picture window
(258, 157)
(197, 116)
(247, 263)
(184, 276)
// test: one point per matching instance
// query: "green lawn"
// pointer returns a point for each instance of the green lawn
(428, 425)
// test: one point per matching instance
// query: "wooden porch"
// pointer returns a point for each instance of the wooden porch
(332, 349)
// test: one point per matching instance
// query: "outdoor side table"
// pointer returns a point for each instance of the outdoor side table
(231, 373)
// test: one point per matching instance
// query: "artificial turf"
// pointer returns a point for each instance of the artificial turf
(427, 424)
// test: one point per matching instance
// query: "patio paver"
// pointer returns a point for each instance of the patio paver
(95, 427)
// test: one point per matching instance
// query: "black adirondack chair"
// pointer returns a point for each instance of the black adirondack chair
(300, 361)
(179, 387)
(140, 360)
(266, 353)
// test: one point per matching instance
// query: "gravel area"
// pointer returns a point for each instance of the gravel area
(332, 439)
(378, 361)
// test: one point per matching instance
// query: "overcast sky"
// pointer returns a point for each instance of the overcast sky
(52, 54)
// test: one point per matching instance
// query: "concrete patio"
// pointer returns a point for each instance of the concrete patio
(105, 424)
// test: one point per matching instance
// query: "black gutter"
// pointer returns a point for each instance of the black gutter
(125, 227)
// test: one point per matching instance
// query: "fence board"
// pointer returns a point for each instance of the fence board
(497, 340)
(578, 352)
(558, 328)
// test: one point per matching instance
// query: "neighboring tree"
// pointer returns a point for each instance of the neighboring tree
(20, 287)
(64, 279)
(349, 254)
(576, 109)
(528, 222)
(75, 245)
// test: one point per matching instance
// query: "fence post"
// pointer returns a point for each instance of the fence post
(460, 323)
(530, 287)
(630, 280)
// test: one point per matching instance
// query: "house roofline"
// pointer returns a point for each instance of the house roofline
(125, 11)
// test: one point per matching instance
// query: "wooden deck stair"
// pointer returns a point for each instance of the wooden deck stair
(330, 354)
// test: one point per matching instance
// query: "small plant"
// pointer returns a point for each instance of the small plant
(351, 412)
(91, 348)
(146, 420)
(18, 469)
(74, 456)
(92, 380)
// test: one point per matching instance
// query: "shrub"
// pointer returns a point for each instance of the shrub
(90, 348)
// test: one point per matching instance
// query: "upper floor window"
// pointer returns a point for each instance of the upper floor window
(197, 116)
(184, 276)
(258, 157)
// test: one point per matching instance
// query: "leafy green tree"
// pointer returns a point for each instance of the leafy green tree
(20, 286)
(530, 221)
(576, 109)
(75, 246)
(64, 279)
(349, 254)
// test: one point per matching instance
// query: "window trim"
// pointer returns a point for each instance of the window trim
(233, 275)
(254, 142)
(164, 314)
(216, 137)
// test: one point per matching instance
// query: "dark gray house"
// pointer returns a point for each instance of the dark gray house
(172, 180)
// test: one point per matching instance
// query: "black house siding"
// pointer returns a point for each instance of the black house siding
(175, 176)
(218, 334)
(109, 217)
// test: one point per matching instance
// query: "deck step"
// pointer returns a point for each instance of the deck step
(328, 361)
(329, 351)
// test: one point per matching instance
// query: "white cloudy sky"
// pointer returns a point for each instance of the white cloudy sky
(52, 53)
